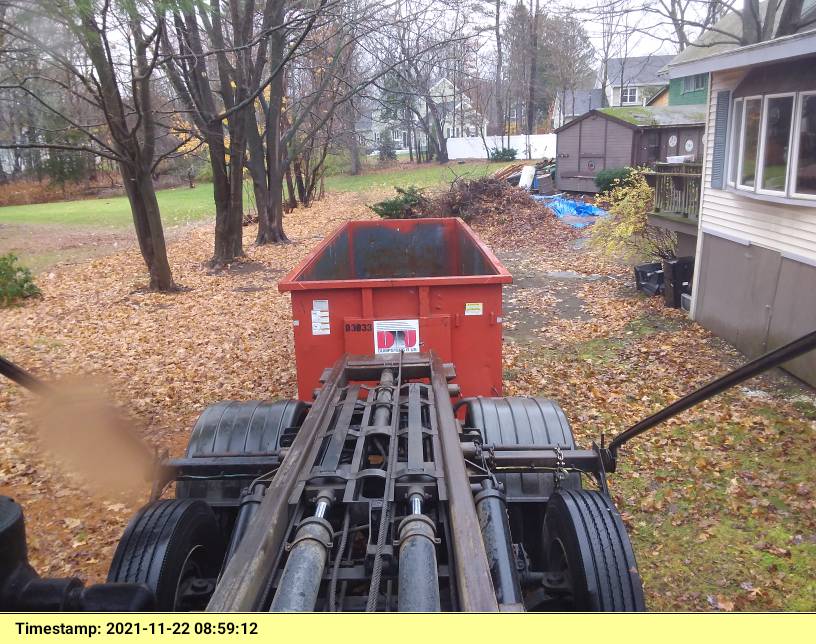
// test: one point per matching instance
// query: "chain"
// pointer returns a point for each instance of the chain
(560, 467)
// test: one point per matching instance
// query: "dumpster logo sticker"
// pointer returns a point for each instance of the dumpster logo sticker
(393, 336)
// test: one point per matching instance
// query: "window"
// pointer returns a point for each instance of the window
(628, 95)
(804, 177)
(750, 142)
(736, 127)
(773, 145)
(694, 83)
(776, 133)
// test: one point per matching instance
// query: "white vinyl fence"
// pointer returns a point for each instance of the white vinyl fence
(541, 146)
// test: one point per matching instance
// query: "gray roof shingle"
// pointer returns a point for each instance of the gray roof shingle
(637, 70)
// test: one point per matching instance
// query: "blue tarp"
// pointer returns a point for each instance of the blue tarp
(571, 212)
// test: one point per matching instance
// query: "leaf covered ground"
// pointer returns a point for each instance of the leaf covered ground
(719, 501)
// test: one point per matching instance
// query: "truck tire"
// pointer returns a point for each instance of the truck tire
(585, 542)
(167, 546)
(232, 427)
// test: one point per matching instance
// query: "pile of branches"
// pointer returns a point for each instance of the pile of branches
(488, 202)
(480, 199)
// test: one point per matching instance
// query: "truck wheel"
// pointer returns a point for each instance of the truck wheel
(175, 548)
(587, 551)
(232, 427)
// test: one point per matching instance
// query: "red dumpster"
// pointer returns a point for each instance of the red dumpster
(400, 284)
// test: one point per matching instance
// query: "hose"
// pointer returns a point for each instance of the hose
(336, 565)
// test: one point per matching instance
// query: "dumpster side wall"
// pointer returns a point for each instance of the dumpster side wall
(461, 323)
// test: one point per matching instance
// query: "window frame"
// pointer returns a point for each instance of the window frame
(729, 149)
(734, 138)
(741, 156)
(799, 105)
(628, 88)
(693, 82)
(763, 130)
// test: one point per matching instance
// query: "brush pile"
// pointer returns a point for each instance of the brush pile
(489, 203)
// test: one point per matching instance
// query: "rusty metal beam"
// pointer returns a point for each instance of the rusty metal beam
(471, 567)
(247, 575)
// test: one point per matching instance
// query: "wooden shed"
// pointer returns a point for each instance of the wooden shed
(615, 137)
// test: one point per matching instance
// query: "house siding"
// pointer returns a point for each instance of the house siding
(755, 282)
(677, 97)
(781, 227)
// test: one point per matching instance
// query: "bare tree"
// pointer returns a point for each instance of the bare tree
(113, 80)
(683, 22)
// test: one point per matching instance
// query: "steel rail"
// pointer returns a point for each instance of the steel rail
(472, 570)
(246, 576)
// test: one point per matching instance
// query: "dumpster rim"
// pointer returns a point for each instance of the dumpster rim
(501, 276)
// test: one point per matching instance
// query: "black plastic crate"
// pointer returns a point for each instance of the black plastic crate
(649, 278)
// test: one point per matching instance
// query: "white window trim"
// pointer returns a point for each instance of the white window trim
(789, 195)
(743, 124)
(730, 159)
(798, 108)
(763, 126)
(626, 89)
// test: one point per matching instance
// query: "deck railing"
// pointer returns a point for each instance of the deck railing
(677, 189)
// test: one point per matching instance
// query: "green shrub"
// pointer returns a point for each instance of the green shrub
(386, 150)
(626, 231)
(16, 281)
(503, 154)
(408, 204)
(607, 179)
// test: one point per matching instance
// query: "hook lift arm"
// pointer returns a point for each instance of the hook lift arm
(763, 363)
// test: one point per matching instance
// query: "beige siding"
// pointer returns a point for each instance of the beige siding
(618, 145)
(785, 228)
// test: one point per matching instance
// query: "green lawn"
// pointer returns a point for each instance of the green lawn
(182, 205)
(178, 206)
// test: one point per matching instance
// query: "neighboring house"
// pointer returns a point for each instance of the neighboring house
(633, 80)
(661, 99)
(615, 137)
(459, 119)
(570, 104)
(755, 277)
(689, 90)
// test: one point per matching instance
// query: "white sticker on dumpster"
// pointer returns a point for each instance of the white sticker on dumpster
(320, 322)
(474, 308)
(393, 336)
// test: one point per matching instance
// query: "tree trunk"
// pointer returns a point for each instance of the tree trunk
(499, 121)
(354, 150)
(290, 188)
(222, 253)
(531, 96)
(301, 186)
(147, 221)
(257, 170)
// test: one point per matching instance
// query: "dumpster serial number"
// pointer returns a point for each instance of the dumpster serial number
(363, 327)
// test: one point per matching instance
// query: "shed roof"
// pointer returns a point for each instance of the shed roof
(658, 115)
(641, 117)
